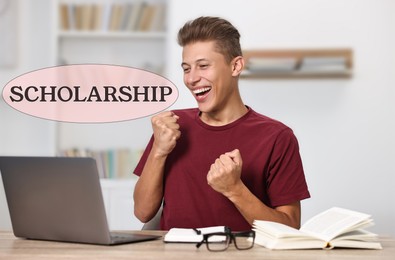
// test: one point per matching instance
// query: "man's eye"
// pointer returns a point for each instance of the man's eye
(203, 66)
(185, 69)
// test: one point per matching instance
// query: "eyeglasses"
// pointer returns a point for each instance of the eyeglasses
(220, 241)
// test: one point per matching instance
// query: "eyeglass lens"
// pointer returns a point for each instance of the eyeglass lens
(218, 242)
(244, 240)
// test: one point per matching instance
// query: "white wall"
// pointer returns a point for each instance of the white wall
(22, 134)
(33, 41)
(345, 127)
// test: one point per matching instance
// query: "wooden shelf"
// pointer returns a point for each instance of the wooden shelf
(299, 63)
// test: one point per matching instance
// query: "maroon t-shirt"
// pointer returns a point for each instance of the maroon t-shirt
(272, 169)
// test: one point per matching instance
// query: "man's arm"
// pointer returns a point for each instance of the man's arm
(148, 192)
(224, 177)
(252, 208)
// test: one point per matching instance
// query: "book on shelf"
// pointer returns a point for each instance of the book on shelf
(111, 163)
(97, 21)
(318, 64)
(271, 65)
(322, 60)
(116, 16)
(190, 235)
(125, 15)
(64, 17)
(117, 11)
(77, 17)
(134, 16)
(335, 227)
(158, 18)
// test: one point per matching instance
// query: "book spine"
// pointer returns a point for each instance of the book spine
(111, 163)
(116, 16)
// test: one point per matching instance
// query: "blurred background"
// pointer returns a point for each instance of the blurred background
(325, 68)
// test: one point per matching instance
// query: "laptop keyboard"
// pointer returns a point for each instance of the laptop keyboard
(119, 237)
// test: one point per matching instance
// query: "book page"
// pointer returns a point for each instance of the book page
(333, 222)
(278, 230)
(296, 242)
(359, 234)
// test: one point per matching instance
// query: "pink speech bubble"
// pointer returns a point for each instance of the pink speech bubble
(90, 93)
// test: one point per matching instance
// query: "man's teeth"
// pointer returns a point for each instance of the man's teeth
(201, 90)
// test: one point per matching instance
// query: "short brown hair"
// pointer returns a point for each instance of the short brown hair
(206, 28)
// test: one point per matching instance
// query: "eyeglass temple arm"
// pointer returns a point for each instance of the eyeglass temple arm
(199, 244)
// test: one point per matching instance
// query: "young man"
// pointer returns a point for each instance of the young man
(221, 163)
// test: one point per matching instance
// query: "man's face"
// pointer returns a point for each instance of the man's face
(208, 76)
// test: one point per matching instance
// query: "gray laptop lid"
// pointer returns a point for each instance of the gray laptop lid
(57, 198)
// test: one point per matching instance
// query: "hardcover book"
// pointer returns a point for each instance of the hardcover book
(335, 227)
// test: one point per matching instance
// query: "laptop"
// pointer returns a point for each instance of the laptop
(59, 199)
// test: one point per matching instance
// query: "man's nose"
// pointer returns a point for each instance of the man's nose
(193, 77)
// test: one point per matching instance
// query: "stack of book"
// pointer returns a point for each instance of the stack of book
(112, 163)
(137, 16)
(271, 65)
(323, 64)
(335, 227)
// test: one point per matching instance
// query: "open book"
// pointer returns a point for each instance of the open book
(189, 235)
(335, 227)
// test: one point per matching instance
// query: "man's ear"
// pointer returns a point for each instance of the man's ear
(237, 66)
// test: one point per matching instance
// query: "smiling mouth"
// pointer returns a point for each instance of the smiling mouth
(201, 91)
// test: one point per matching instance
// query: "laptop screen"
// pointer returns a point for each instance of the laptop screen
(55, 198)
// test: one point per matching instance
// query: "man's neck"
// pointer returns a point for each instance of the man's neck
(224, 117)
